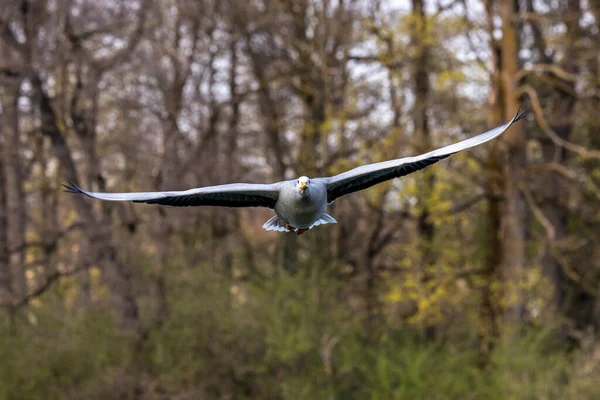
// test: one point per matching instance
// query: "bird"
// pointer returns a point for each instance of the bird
(299, 204)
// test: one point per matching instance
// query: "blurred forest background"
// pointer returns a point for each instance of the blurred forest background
(476, 278)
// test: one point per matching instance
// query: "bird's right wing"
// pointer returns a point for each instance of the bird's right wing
(369, 175)
(231, 195)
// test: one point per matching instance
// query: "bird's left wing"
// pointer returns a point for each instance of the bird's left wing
(369, 175)
(231, 195)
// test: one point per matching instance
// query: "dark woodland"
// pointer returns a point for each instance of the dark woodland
(476, 278)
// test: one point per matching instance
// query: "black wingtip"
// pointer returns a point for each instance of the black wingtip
(520, 114)
(70, 187)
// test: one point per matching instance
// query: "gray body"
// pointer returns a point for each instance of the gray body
(299, 204)
(301, 211)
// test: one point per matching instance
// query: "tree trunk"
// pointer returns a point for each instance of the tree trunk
(425, 186)
(230, 220)
(117, 276)
(512, 211)
(552, 186)
(15, 195)
(488, 311)
(505, 223)
(6, 292)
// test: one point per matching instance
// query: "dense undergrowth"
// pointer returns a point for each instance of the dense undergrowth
(288, 337)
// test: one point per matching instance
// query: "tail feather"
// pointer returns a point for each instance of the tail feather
(325, 219)
(275, 224)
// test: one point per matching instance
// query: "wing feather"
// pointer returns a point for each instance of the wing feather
(231, 195)
(369, 175)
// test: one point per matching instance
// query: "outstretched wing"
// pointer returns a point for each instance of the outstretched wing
(369, 175)
(232, 195)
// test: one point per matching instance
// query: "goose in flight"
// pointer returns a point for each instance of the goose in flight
(299, 204)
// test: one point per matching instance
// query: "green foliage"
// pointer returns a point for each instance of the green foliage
(408, 370)
(532, 367)
(290, 337)
(66, 358)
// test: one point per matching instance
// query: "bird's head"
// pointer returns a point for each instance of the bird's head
(303, 186)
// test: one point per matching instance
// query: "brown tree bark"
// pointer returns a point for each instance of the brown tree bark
(9, 120)
(6, 292)
(505, 218)
(513, 209)
(561, 98)
(422, 88)
(83, 112)
(117, 275)
(488, 311)
(270, 112)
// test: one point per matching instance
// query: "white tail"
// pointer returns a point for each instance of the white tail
(277, 224)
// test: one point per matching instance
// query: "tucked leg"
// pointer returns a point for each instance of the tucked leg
(290, 228)
(301, 231)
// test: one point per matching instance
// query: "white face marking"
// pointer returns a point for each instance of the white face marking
(303, 185)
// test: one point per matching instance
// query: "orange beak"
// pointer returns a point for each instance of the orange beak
(303, 186)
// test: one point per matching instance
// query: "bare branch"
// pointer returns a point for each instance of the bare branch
(9, 37)
(466, 204)
(45, 244)
(471, 27)
(538, 213)
(539, 114)
(544, 69)
(10, 73)
(105, 63)
(50, 280)
(562, 170)
(551, 237)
